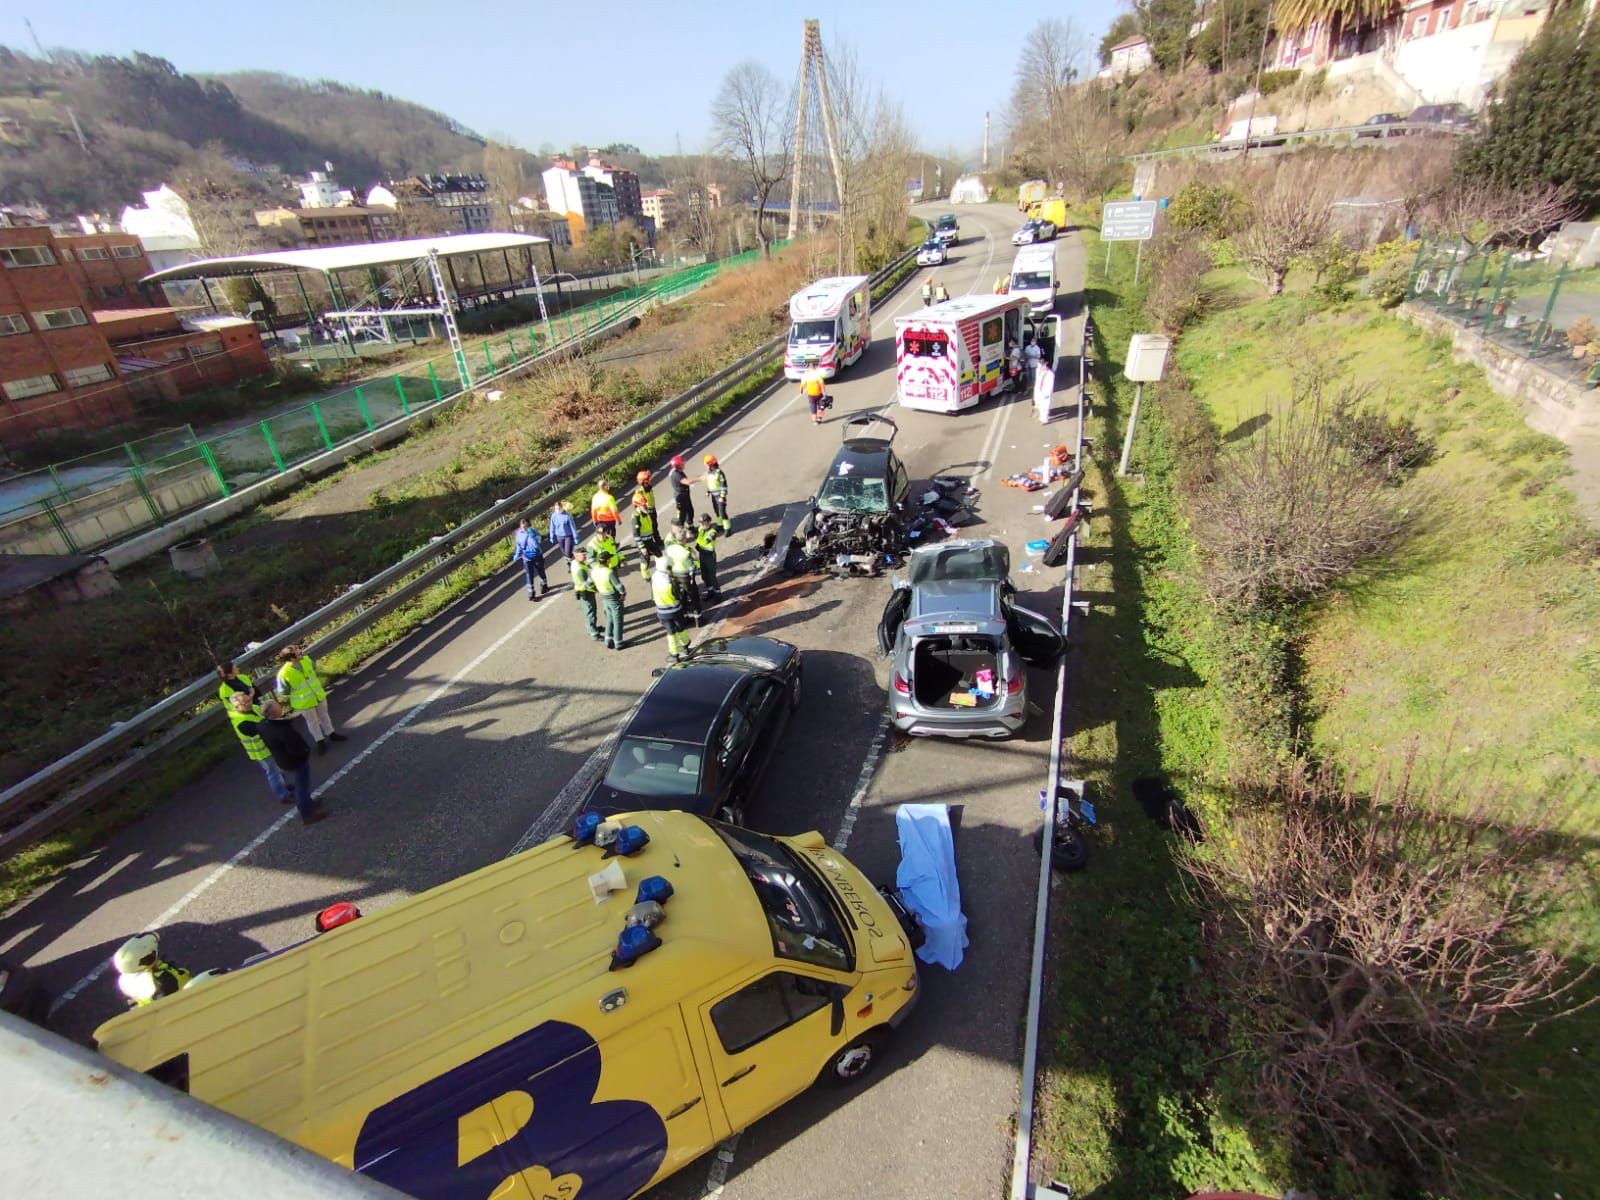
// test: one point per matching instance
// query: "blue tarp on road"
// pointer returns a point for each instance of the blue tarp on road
(927, 881)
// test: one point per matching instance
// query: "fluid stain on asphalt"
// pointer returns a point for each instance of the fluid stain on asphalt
(768, 602)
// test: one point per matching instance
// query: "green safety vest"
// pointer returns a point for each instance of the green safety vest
(239, 683)
(716, 482)
(253, 745)
(603, 549)
(663, 593)
(680, 559)
(644, 513)
(581, 578)
(604, 579)
(706, 539)
(301, 682)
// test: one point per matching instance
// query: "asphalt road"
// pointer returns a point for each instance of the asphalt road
(480, 731)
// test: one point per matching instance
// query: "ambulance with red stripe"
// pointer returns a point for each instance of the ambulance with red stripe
(950, 356)
(830, 326)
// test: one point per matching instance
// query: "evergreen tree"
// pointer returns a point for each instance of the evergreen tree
(1546, 126)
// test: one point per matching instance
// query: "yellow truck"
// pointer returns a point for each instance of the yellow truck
(1050, 208)
(586, 1017)
(1030, 193)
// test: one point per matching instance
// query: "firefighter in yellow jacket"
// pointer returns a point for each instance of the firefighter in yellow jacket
(646, 524)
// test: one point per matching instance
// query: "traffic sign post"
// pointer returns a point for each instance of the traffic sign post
(1128, 221)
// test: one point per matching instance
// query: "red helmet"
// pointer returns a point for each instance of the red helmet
(643, 477)
(677, 460)
(335, 915)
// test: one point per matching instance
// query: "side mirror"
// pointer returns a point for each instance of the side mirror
(658, 673)
(811, 501)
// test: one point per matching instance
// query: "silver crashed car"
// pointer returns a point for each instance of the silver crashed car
(957, 644)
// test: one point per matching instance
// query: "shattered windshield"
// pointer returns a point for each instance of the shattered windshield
(853, 494)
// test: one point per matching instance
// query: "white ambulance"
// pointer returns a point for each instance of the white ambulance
(831, 324)
(1033, 276)
(950, 356)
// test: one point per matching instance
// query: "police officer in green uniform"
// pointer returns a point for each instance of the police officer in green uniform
(603, 549)
(705, 544)
(681, 565)
(608, 586)
(669, 608)
(583, 588)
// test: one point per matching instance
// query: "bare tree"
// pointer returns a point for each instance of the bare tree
(1295, 511)
(505, 170)
(750, 117)
(875, 153)
(1481, 213)
(1375, 944)
(1052, 59)
(1288, 216)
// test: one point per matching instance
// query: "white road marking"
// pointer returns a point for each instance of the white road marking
(255, 843)
(869, 768)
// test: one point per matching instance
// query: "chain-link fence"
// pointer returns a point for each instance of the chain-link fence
(91, 502)
(1517, 299)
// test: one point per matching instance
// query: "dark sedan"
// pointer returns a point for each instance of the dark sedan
(1373, 126)
(704, 733)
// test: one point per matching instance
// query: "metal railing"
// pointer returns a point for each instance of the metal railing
(1337, 133)
(47, 799)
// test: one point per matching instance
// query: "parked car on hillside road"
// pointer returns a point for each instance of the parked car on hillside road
(1373, 126)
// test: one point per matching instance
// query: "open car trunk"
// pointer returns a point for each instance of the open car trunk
(956, 672)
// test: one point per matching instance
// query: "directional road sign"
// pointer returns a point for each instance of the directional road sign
(1128, 221)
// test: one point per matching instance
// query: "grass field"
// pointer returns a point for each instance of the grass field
(1476, 644)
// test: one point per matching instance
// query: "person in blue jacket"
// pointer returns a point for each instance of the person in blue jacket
(529, 550)
(563, 531)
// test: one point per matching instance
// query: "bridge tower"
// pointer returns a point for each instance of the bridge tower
(813, 108)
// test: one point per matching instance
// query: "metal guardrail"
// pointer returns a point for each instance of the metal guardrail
(1022, 1187)
(1338, 133)
(74, 782)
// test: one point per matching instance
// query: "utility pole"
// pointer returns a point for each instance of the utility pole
(1250, 122)
(985, 141)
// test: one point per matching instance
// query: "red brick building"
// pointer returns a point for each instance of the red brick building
(66, 366)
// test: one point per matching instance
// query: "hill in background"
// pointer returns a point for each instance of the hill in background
(141, 119)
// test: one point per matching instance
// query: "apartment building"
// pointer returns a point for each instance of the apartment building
(660, 206)
(107, 267)
(586, 202)
(624, 185)
(319, 226)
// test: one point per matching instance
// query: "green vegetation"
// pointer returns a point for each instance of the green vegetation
(1470, 647)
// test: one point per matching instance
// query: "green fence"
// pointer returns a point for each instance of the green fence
(102, 498)
(1516, 299)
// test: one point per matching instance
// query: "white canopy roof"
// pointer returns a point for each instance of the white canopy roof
(341, 258)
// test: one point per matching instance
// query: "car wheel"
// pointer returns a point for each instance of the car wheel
(1070, 851)
(731, 814)
(856, 1059)
(794, 690)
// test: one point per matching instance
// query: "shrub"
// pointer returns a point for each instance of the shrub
(1388, 269)
(1333, 268)
(1178, 291)
(1292, 512)
(1207, 208)
(1372, 947)
(1391, 446)
(1276, 81)
(1581, 332)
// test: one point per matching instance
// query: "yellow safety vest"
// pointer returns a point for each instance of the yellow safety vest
(604, 579)
(716, 481)
(663, 593)
(582, 580)
(603, 549)
(253, 745)
(301, 682)
(644, 513)
(603, 507)
(706, 539)
(239, 683)
(812, 386)
(680, 559)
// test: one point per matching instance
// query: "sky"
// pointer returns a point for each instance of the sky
(537, 72)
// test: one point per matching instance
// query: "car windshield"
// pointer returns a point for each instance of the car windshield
(811, 331)
(651, 767)
(933, 244)
(947, 222)
(853, 494)
(799, 908)
(1027, 280)
(988, 560)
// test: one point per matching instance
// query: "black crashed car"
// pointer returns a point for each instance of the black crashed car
(855, 523)
(702, 736)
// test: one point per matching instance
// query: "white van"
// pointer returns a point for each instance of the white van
(830, 326)
(1033, 277)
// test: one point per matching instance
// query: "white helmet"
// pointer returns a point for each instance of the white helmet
(138, 953)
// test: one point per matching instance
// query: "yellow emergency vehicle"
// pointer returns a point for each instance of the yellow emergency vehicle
(579, 1020)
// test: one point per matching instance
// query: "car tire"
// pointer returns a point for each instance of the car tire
(857, 1059)
(1070, 851)
(795, 689)
(731, 814)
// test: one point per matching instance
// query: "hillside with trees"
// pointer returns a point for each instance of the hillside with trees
(81, 132)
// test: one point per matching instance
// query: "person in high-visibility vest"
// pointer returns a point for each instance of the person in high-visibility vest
(608, 586)
(939, 294)
(927, 292)
(646, 525)
(583, 588)
(705, 545)
(816, 394)
(142, 975)
(680, 559)
(246, 720)
(1002, 285)
(603, 548)
(231, 680)
(299, 683)
(603, 508)
(717, 488)
(669, 609)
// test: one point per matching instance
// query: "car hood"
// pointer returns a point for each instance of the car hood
(609, 801)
